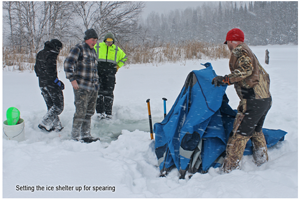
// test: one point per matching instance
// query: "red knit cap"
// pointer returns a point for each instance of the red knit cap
(235, 35)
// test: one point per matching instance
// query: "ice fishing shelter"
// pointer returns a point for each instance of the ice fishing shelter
(193, 135)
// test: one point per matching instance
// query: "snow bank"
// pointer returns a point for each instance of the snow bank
(124, 164)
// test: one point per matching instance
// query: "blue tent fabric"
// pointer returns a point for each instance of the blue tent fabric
(200, 121)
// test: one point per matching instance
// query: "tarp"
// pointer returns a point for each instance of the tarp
(194, 134)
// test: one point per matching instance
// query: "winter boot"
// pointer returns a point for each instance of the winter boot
(43, 128)
(58, 129)
(100, 104)
(57, 125)
(101, 116)
(47, 123)
(234, 152)
(109, 117)
(108, 104)
(260, 153)
(90, 139)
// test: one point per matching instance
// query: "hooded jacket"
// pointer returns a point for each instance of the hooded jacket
(110, 56)
(45, 66)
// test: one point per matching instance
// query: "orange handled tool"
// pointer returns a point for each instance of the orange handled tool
(150, 120)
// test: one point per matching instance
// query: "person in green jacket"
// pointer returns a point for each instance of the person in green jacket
(110, 59)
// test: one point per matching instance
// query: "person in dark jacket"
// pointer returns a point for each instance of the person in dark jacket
(110, 59)
(51, 87)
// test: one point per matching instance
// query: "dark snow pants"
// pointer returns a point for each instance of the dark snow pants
(253, 113)
(54, 99)
(85, 103)
(107, 80)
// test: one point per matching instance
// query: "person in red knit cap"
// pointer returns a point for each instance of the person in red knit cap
(252, 84)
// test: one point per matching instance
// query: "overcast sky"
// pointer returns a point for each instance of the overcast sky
(166, 6)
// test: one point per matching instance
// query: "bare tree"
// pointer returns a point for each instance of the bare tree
(119, 17)
(9, 7)
(86, 11)
(60, 16)
(30, 23)
(33, 22)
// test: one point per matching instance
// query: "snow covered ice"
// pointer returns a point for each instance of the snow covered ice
(123, 164)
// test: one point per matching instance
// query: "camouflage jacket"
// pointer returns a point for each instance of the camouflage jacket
(250, 79)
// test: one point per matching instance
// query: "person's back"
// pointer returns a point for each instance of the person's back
(45, 66)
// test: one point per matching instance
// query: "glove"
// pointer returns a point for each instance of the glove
(117, 67)
(60, 84)
(220, 80)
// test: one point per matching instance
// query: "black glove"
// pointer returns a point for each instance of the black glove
(220, 80)
(60, 84)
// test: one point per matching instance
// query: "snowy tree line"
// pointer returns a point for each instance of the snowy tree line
(30, 23)
(188, 34)
(263, 22)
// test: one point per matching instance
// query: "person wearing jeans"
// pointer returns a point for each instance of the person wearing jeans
(81, 69)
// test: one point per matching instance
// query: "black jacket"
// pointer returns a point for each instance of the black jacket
(45, 66)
